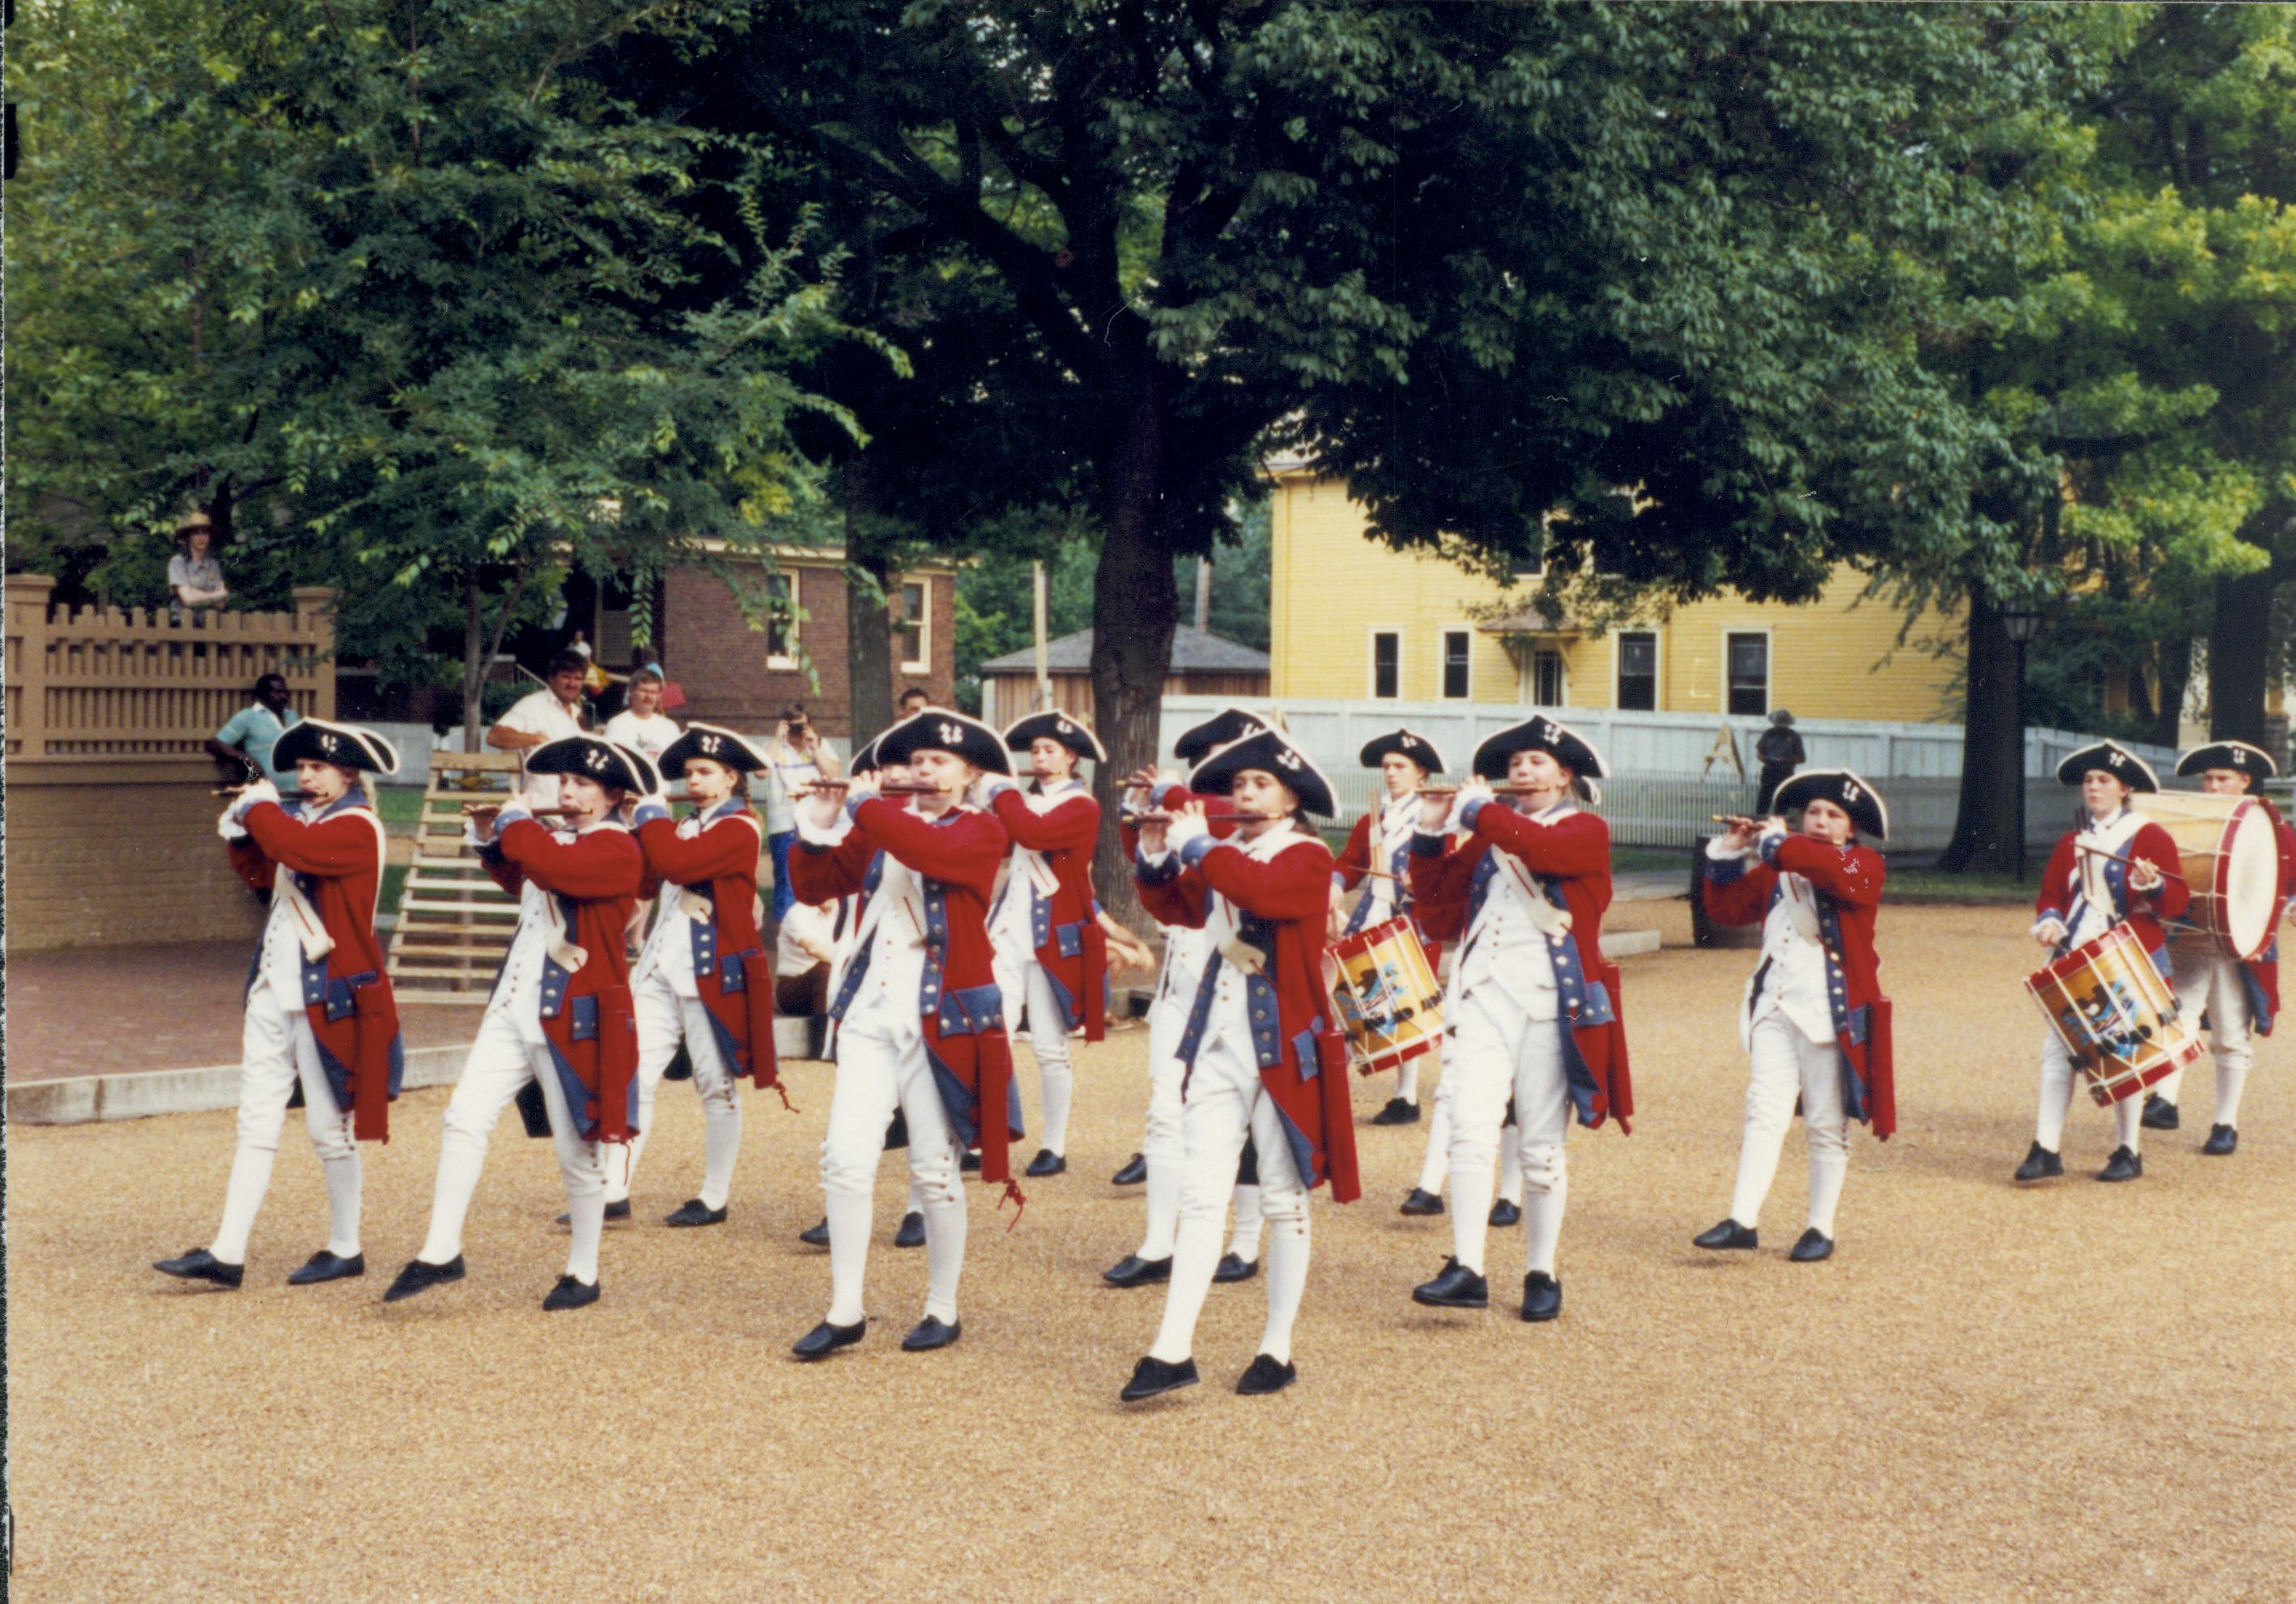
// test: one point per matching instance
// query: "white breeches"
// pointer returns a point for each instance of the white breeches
(1436, 1166)
(2206, 980)
(2059, 1079)
(277, 1051)
(1023, 983)
(664, 1020)
(1494, 1053)
(1788, 1066)
(878, 1071)
(1163, 1147)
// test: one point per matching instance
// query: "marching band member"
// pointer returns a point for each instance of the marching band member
(704, 978)
(1052, 956)
(1263, 1059)
(921, 1026)
(1382, 842)
(1161, 1159)
(1532, 1009)
(321, 1023)
(2114, 866)
(2235, 997)
(1814, 1022)
(560, 1016)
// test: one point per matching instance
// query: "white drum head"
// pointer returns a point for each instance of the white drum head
(2252, 882)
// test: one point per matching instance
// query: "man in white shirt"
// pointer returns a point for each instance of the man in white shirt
(798, 758)
(643, 725)
(540, 717)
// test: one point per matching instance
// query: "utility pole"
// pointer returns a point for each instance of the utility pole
(1044, 667)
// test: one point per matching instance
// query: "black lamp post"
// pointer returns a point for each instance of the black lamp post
(2020, 621)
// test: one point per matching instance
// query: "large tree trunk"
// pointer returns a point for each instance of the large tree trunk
(868, 620)
(2239, 647)
(1986, 833)
(2175, 678)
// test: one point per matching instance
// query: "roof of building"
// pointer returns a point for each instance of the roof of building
(1194, 651)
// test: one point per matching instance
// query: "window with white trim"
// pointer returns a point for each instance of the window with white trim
(781, 619)
(1547, 688)
(1454, 664)
(1386, 664)
(1749, 657)
(1637, 671)
(913, 627)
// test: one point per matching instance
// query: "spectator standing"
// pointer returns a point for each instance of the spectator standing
(195, 574)
(798, 759)
(551, 714)
(248, 739)
(1780, 753)
(914, 701)
(643, 725)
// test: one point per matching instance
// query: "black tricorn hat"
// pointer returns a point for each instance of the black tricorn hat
(864, 756)
(1271, 752)
(1846, 791)
(345, 746)
(2111, 757)
(1072, 733)
(944, 729)
(1402, 743)
(1229, 724)
(1570, 749)
(719, 745)
(596, 758)
(2253, 762)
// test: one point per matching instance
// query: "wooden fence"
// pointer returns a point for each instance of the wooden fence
(111, 828)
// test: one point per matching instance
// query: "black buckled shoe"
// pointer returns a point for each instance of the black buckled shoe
(930, 1333)
(1134, 1172)
(1542, 1296)
(2040, 1164)
(614, 1211)
(1232, 1268)
(2222, 1140)
(1267, 1376)
(1505, 1214)
(1815, 1245)
(825, 1339)
(694, 1212)
(1396, 1112)
(1153, 1378)
(1457, 1287)
(1133, 1271)
(1421, 1203)
(912, 1233)
(2123, 1166)
(420, 1277)
(815, 1236)
(571, 1293)
(970, 1164)
(1729, 1234)
(2160, 1113)
(1046, 1162)
(324, 1266)
(200, 1266)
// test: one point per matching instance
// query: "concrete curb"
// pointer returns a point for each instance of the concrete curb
(87, 1099)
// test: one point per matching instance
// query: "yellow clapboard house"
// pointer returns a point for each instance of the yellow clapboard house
(1353, 618)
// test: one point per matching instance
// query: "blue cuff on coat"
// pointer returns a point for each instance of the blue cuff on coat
(648, 811)
(1426, 844)
(1771, 840)
(508, 817)
(999, 786)
(1471, 810)
(1722, 871)
(1192, 851)
(1162, 872)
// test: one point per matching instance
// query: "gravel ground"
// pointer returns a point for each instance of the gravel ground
(2079, 1391)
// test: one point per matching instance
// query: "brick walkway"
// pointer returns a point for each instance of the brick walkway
(104, 1010)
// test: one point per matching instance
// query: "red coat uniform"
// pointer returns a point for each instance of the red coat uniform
(731, 971)
(1354, 862)
(1283, 902)
(1069, 941)
(586, 1017)
(336, 861)
(2061, 888)
(1569, 861)
(1848, 882)
(955, 859)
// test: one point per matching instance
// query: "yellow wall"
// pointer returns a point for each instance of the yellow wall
(1332, 588)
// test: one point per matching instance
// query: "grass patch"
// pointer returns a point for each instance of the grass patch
(394, 887)
(400, 808)
(1968, 887)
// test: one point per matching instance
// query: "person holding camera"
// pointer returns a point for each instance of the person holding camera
(799, 757)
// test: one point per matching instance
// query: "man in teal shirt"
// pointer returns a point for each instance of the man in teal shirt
(254, 729)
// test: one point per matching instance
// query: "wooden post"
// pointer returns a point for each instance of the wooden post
(1203, 593)
(1043, 661)
(314, 615)
(28, 596)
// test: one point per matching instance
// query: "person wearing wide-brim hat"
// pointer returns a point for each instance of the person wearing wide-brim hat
(1532, 1010)
(2234, 997)
(2114, 866)
(1380, 841)
(321, 1023)
(1780, 752)
(1815, 1024)
(561, 1019)
(1264, 1061)
(1052, 955)
(1162, 1157)
(921, 1025)
(703, 979)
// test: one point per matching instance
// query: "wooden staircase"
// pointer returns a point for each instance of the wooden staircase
(455, 923)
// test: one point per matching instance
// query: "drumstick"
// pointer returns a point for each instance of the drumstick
(2099, 851)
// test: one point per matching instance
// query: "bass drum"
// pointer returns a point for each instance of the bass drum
(2230, 849)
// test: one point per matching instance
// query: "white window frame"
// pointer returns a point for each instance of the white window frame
(786, 661)
(1770, 671)
(1371, 662)
(1657, 667)
(1530, 677)
(922, 662)
(1442, 661)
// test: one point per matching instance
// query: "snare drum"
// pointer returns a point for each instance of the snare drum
(2115, 1013)
(1386, 996)
(2231, 857)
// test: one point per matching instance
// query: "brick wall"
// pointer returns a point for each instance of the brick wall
(721, 662)
(121, 865)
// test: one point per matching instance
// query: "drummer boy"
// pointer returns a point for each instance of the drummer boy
(2236, 997)
(2114, 866)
